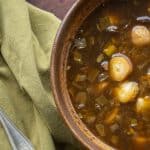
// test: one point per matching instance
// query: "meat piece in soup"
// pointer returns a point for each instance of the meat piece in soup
(109, 73)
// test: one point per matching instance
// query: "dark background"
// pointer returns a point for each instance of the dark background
(58, 7)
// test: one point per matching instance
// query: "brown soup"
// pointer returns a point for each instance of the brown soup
(108, 73)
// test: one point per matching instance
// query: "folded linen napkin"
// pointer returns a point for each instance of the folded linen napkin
(26, 37)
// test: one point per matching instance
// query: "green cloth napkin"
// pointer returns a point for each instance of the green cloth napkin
(26, 37)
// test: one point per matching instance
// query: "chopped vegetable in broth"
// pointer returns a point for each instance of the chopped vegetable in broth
(108, 73)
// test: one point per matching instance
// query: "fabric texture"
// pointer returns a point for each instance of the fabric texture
(26, 37)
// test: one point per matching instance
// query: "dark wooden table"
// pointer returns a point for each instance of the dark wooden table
(58, 7)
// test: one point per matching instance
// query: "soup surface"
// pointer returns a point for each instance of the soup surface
(108, 73)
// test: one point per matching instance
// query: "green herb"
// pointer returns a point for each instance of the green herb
(100, 129)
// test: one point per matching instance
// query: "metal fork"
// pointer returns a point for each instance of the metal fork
(16, 138)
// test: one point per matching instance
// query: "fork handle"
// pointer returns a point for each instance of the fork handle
(17, 140)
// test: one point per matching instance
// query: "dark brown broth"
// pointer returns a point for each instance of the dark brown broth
(95, 107)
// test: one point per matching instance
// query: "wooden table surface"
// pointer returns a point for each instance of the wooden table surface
(58, 7)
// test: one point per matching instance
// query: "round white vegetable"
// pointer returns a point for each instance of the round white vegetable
(120, 67)
(143, 105)
(140, 35)
(126, 92)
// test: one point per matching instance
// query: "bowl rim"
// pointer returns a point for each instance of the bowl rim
(87, 142)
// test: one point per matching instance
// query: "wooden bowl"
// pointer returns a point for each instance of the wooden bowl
(71, 23)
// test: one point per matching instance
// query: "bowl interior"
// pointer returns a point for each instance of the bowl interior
(63, 42)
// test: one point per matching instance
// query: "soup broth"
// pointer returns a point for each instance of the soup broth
(108, 73)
